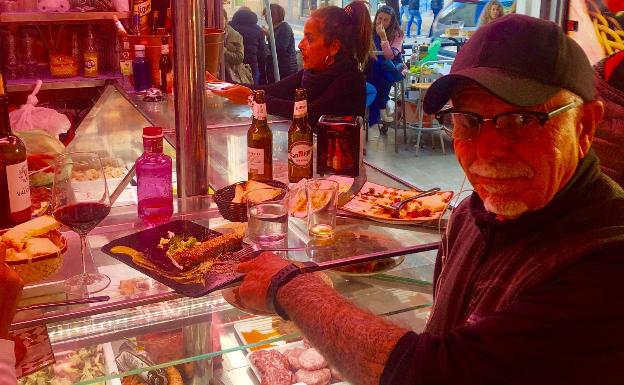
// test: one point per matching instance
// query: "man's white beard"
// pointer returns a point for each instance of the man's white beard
(504, 207)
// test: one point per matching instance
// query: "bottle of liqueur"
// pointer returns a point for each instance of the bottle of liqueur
(300, 140)
(14, 187)
(165, 65)
(141, 70)
(259, 142)
(90, 56)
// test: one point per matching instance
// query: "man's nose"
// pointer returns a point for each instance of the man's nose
(492, 142)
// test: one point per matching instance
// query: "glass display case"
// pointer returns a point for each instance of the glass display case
(144, 329)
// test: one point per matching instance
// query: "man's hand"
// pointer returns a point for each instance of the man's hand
(258, 273)
(238, 94)
(10, 290)
(381, 31)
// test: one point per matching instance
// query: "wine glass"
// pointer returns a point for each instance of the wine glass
(80, 201)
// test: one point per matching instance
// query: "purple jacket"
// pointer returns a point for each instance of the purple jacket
(609, 140)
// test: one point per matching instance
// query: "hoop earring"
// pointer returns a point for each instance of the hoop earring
(327, 58)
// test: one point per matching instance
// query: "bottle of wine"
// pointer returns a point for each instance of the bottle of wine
(154, 187)
(14, 187)
(165, 66)
(300, 140)
(259, 142)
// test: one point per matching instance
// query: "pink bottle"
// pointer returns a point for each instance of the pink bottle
(153, 171)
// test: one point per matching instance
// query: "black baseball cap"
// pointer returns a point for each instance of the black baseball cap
(522, 60)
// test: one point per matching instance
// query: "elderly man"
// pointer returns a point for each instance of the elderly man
(528, 280)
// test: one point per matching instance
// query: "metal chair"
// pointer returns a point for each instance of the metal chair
(371, 92)
(421, 83)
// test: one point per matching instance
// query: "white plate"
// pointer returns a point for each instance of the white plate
(260, 324)
(282, 349)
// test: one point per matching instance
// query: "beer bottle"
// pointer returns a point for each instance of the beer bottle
(300, 140)
(259, 142)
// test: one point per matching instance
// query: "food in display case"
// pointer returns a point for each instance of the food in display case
(113, 169)
(296, 362)
(71, 367)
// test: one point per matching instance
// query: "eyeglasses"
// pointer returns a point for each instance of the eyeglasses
(517, 126)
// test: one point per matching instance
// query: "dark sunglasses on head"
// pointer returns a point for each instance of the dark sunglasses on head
(515, 125)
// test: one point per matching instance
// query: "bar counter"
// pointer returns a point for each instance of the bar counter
(206, 331)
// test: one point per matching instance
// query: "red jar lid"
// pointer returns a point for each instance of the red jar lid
(152, 132)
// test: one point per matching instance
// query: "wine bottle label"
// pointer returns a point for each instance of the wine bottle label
(259, 111)
(17, 183)
(255, 160)
(301, 109)
(300, 154)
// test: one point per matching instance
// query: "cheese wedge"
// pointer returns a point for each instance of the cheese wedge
(18, 235)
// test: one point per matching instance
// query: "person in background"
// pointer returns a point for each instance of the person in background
(334, 49)
(235, 70)
(403, 11)
(245, 22)
(284, 45)
(528, 278)
(395, 5)
(436, 7)
(609, 140)
(492, 11)
(387, 39)
(413, 8)
(10, 290)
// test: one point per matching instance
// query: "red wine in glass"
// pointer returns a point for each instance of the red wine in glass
(82, 217)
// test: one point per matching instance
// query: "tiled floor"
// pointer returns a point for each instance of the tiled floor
(429, 169)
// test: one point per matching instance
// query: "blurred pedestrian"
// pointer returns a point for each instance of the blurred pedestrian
(245, 22)
(403, 11)
(492, 11)
(234, 53)
(413, 8)
(284, 45)
(436, 7)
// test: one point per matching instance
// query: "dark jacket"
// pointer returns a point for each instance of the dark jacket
(536, 300)
(437, 4)
(609, 139)
(286, 56)
(341, 90)
(413, 5)
(246, 23)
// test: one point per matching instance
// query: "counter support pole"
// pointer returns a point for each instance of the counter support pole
(190, 97)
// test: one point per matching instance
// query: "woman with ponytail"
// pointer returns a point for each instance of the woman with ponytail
(334, 50)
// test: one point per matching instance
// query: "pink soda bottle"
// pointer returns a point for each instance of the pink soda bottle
(153, 171)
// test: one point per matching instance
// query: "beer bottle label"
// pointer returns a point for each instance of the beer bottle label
(259, 111)
(301, 109)
(300, 154)
(255, 160)
(19, 189)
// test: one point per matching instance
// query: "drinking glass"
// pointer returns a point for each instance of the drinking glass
(267, 209)
(322, 195)
(80, 201)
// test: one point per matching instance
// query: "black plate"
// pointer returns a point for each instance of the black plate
(146, 242)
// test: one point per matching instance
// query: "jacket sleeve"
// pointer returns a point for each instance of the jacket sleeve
(261, 56)
(234, 51)
(564, 332)
(341, 91)
(7, 363)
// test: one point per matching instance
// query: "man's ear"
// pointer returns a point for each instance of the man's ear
(591, 116)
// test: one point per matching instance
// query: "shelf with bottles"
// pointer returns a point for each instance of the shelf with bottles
(59, 54)
(60, 17)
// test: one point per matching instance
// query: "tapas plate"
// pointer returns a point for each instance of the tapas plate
(141, 251)
(421, 210)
